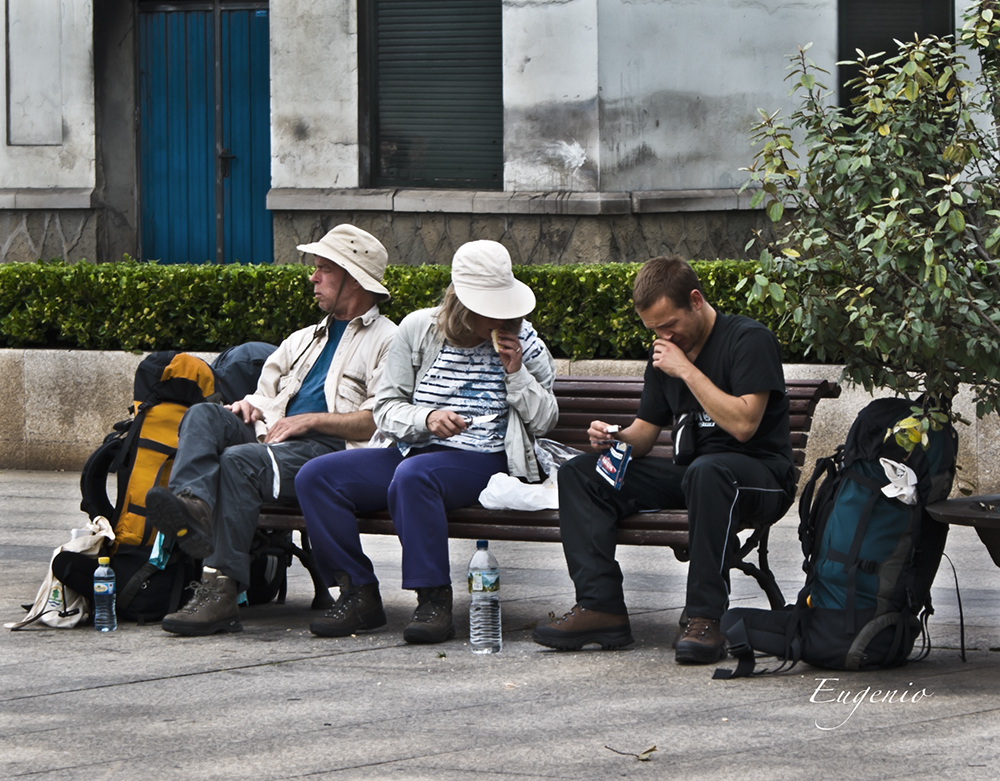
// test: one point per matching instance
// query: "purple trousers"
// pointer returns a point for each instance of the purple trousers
(418, 491)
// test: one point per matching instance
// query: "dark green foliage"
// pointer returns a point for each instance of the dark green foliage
(583, 311)
(889, 257)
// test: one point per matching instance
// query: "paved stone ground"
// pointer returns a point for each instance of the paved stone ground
(274, 702)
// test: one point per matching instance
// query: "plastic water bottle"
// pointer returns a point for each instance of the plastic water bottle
(484, 604)
(104, 596)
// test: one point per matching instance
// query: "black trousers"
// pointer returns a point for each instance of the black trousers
(221, 462)
(722, 493)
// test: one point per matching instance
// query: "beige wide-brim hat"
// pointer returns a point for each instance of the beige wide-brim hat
(484, 282)
(356, 251)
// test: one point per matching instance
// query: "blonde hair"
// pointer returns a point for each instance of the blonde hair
(454, 320)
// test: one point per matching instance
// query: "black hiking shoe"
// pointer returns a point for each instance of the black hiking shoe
(580, 627)
(432, 619)
(212, 609)
(702, 642)
(184, 517)
(357, 608)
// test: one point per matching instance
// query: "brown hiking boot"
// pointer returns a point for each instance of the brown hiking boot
(356, 608)
(182, 516)
(432, 619)
(701, 643)
(580, 627)
(212, 608)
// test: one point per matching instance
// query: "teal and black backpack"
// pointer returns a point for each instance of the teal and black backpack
(870, 554)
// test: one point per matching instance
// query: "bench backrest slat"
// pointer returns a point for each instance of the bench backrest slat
(616, 400)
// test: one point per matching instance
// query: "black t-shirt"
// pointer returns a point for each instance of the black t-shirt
(741, 356)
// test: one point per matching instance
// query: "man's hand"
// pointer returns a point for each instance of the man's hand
(445, 423)
(600, 437)
(289, 428)
(669, 358)
(245, 410)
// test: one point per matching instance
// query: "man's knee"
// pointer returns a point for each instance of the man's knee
(250, 460)
(578, 471)
(707, 474)
(204, 415)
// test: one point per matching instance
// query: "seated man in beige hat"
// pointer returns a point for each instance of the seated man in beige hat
(315, 396)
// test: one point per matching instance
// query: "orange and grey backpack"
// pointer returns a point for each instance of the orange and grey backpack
(140, 452)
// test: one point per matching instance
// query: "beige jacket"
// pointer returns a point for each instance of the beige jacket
(354, 372)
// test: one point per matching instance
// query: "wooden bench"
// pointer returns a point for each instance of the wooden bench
(582, 400)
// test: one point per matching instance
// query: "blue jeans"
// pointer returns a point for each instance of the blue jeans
(418, 491)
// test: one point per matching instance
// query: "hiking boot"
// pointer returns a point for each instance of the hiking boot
(431, 621)
(701, 643)
(212, 608)
(580, 627)
(357, 608)
(184, 517)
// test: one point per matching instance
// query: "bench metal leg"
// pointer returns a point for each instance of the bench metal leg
(762, 574)
(322, 598)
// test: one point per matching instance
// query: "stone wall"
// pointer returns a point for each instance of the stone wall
(433, 237)
(31, 235)
(61, 403)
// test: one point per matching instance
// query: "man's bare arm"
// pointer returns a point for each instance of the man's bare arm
(737, 415)
(349, 426)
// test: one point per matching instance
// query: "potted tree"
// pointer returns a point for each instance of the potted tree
(887, 218)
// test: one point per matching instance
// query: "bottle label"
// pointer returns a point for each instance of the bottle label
(484, 580)
(104, 587)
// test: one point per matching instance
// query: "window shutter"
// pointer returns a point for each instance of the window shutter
(873, 25)
(437, 93)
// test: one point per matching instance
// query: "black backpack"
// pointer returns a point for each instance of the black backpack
(237, 369)
(870, 559)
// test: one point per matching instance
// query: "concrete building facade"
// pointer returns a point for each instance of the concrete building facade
(624, 126)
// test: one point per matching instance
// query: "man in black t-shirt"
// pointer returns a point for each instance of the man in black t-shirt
(726, 371)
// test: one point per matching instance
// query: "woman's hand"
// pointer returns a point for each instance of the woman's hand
(508, 347)
(445, 423)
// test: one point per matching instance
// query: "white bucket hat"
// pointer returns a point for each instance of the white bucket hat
(356, 251)
(484, 283)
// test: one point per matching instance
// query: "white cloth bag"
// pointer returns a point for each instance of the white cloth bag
(56, 605)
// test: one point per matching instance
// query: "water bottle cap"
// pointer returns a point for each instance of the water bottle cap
(482, 544)
(104, 561)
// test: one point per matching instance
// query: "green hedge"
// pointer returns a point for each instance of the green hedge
(583, 311)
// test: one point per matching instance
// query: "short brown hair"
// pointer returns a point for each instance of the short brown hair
(667, 276)
(454, 320)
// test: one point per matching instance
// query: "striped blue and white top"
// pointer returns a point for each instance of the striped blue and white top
(470, 381)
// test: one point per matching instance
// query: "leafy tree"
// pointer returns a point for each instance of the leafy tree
(889, 220)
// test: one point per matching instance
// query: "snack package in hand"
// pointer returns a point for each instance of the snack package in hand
(613, 462)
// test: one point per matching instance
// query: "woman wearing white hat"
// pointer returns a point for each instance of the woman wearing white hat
(466, 388)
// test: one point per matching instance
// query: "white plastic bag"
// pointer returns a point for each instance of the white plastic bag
(504, 492)
(56, 605)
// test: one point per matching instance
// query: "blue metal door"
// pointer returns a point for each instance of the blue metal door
(204, 132)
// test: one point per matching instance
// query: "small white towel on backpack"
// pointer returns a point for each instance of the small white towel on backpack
(902, 482)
